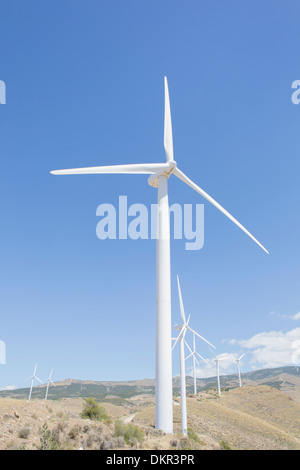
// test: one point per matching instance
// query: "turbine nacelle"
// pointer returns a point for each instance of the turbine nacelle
(166, 172)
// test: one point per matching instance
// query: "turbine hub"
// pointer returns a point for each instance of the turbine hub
(166, 172)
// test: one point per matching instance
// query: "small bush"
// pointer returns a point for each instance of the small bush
(61, 425)
(48, 440)
(92, 410)
(190, 442)
(224, 445)
(192, 435)
(86, 428)
(73, 433)
(130, 432)
(24, 433)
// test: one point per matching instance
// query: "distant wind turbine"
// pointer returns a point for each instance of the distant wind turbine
(159, 175)
(217, 360)
(195, 360)
(183, 327)
(33, 377)
(238, 359)
(49, 380)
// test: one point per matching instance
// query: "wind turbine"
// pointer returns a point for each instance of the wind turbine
(32, 380)
(195, 360)
(49, 380)
(217, 360)
(181, 337)
(159, 175)
(238, 359)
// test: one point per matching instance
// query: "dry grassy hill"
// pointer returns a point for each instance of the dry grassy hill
(251, 417)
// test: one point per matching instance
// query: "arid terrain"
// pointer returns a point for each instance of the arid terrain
(251, 417)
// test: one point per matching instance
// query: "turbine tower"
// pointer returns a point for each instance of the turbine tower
(33, 377)
(195, 360)
(217, 360)
(49, 380)
(159, 175)
(181, 337)
(238, 359)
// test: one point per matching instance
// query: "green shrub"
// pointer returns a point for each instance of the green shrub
(130, 432)
(190, 442)
(225, 445)
(192, 435)
(92, 410)
(48, 441)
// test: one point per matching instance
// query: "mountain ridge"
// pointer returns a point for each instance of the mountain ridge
(285, 378)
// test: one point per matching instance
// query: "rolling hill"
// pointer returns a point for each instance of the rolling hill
(286, 379)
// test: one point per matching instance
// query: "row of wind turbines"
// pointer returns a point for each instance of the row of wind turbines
(183, 328)
(34, 377)
(159, 173)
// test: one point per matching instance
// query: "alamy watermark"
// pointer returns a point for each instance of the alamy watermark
(2, 92)
(137, 222)
(2, 352)
(296, 94)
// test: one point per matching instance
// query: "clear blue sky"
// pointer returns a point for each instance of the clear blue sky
(85, 87)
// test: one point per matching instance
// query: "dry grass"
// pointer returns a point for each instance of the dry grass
(253, 417)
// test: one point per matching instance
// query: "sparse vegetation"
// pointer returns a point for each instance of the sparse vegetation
(74, 431)
(131, 433)
(24, 432)
(224, 445)
(193, 436)
(48, 441)
(92, 410)
(251, 417)
(189, 442)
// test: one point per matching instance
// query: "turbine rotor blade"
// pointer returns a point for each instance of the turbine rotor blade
(38, 379)
(190, 183)
(223, 358)
(213, 353)
(139, 169)
(204, 360)
(181, 302)
(201, 337)
(197, 362)
(187, 345)
(168, 137)
(179, 336)
(242, 356)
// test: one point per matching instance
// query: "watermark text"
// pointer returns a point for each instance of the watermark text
(138, 223)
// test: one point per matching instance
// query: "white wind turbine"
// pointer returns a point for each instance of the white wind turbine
(183, 327)
(49, 380)
(195, 360)
(159, 175)
(217, 360)
(238, 359)
(32, 380)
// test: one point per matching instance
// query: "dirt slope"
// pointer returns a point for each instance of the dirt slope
(258, 417)
(251, 417)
